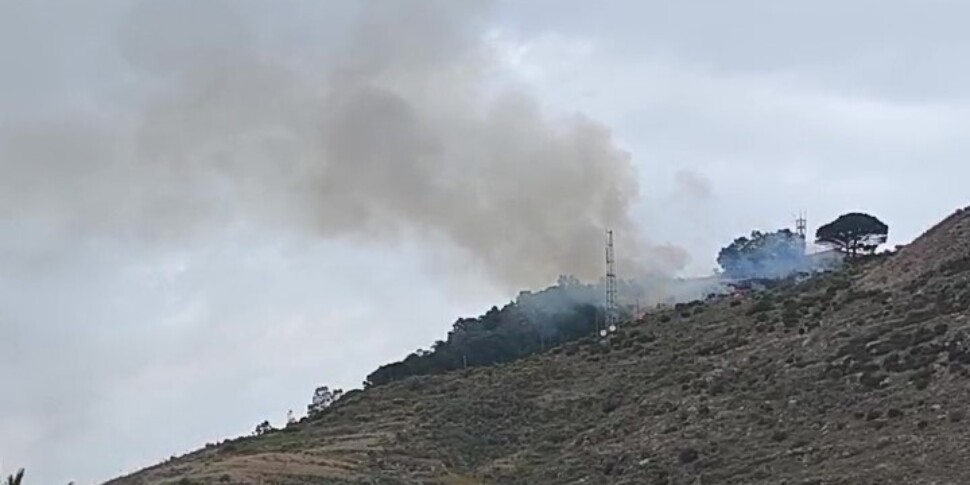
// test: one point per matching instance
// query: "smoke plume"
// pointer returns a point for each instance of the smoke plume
(398, 127)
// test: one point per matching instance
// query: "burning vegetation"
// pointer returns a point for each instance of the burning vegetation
(571, 310)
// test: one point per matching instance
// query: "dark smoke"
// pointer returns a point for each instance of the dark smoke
(398, 127)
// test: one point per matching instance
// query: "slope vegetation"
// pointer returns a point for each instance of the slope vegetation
(856, 377)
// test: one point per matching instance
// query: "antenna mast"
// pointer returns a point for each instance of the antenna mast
(611, 313)
(801, 225)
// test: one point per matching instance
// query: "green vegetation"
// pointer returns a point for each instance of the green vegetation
(764, 255)
(16, 478)
(853, 233)
(323, 398)
(262, 428)
(799, 381)
(531, 324)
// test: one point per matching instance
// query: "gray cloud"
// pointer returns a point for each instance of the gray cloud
(398, 131)
(799, 112)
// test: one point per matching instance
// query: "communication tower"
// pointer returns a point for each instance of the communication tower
(801, 229)
(611, 313)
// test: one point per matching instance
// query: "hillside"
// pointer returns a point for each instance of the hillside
(856, 377)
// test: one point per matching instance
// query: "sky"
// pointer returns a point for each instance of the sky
(208, 208)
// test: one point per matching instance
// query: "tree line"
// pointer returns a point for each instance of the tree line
(530, 324)
(571, 310)
(766, 255)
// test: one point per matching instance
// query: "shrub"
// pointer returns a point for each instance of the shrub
(763, 305)
(688, 455)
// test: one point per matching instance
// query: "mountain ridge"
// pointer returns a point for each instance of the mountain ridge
(852, 377)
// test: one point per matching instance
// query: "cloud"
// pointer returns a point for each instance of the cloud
(398, 132)
(772, 141)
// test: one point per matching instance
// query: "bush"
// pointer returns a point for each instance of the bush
(688, 455)
(761, 306)
(646, 338)
(921, 379)
(533, 322)
(790, 318)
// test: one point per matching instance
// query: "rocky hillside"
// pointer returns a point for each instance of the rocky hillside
(857, 377)
(944, 248)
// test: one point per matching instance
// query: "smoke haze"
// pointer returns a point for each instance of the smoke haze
(399, 127)
(207, 209)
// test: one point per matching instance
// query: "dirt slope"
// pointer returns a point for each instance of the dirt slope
(853, 378)
(945, 247)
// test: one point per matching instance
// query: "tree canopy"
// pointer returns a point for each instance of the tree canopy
(763, 255)
(532, 323)
(323, 397)
(853, 233)
(16, 478)
(262, 428)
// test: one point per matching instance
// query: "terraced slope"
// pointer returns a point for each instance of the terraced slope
(859, 377)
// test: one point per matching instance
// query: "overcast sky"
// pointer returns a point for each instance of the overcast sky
(163, 283)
